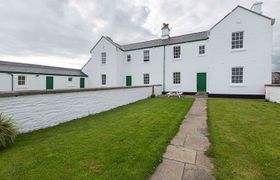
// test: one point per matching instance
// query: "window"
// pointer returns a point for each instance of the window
(237, 75)
(103, 58)
(202, 49)
(146, 78)
(176, 78)
(21, 80)
(70, 79)
(237, 40)
(103, 79)
(146, 55)
(128, 58)
(176, 52)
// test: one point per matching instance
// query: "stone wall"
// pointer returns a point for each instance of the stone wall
(31, 112)
(272, 93)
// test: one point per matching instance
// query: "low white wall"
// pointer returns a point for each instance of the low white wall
(272, 93)
(40, 111)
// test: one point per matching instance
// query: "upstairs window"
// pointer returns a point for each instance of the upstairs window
(103, 79)
(201, 50)
(237, 75)
(103, 58)
(177, 52)
(21, 80)
(237, 40)
(128, 58)
(176, 78)
(146, 78)
(146, 56)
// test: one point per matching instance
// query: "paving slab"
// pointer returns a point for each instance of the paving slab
(179, 153)
(168, 170)
(184, 157)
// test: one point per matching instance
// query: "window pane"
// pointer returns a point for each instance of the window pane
(237, 40)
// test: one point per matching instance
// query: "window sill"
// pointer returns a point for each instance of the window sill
(237, 85)
(146, 62)
(202, 55)
(176, 85)
(237, 50)
(177, 59)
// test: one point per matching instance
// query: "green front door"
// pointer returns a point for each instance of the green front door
(82, 82)
(49, 82)
(128, 80)
(201, 82)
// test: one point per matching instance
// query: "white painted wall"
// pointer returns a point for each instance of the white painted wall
(272, 93)
(255, 57)
(38, 82)
(40, 111)
(5, 82)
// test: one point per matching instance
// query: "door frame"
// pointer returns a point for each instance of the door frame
(126, 80)
(197, 82)
(47, 82)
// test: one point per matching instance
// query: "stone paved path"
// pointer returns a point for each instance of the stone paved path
(184, 158)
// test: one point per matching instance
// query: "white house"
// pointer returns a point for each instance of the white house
(23, 77)
(231, 58)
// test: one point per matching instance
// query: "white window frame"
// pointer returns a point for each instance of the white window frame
(177, 52)
(237, 40)
(21, 80)
(128, 58)
(146, 78)
(103, 58)
(103, 79)
(237, 75)
(176, 77)
(146, 55)
(201, 50)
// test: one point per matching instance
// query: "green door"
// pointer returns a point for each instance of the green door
(82, 82)
(128, 80)
(49, 82)
(201, 82)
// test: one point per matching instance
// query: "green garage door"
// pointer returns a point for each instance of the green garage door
(49, 82)
(82, 82)
(201, 82)
(128, 80)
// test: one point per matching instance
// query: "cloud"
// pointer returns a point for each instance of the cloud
(62, 32)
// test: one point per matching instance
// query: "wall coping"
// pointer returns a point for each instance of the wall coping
(272, 85)
(57, 91)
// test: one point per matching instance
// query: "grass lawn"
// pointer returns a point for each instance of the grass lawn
(123, 143)
(245, 137)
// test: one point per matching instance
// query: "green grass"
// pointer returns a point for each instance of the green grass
(245, 138)
(123, 143)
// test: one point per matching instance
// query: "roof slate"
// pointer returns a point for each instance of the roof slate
(12, 67)
(172, 40)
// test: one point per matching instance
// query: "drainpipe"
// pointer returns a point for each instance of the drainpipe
(163, 86)
(12, 80)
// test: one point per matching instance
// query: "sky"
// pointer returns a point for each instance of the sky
(62, 32)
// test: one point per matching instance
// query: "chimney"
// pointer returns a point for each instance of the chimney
(257, 7)
(165, 31)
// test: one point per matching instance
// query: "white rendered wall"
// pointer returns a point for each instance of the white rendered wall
(272, 93)
(40, 111)
(5, 82)
(38, 82)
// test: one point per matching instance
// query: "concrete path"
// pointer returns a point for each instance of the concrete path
(184, 158)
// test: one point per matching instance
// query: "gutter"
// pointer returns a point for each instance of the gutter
(163, 84)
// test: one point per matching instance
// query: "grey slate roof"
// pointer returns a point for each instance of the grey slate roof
(12, 67)
(172, 40)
